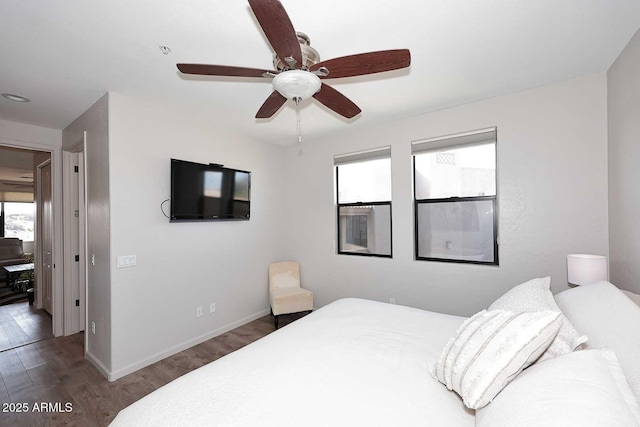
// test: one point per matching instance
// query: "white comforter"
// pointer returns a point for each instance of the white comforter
(352, 363)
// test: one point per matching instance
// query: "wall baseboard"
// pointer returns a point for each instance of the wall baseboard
(112, 376)
(97, 363)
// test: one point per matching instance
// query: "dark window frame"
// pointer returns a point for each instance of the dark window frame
(417, 202)
(361, 204)
(2, 219)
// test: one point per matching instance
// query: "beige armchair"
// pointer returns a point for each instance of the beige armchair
(285, 294)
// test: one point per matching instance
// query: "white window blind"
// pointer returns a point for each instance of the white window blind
(14, 196)
(476, 137)
(361, 156)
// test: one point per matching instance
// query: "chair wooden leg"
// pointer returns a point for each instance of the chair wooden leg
(275, 318)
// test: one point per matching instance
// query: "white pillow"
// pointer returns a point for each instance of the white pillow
(611, 319)
(490, 349)
(535, 295)
(585, 388)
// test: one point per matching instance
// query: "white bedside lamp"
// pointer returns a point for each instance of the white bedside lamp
(583, 269)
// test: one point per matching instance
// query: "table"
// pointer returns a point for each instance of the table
(14, 272)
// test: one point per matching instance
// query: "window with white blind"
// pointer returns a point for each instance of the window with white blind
(363, 182)
(455, 210)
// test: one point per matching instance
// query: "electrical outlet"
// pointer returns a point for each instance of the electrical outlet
(212, 307)
(199, 311)
(392, 300)
(93, 327)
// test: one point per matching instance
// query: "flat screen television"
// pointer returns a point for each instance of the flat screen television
(210, 192)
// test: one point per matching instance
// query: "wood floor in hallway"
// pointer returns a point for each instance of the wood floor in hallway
(21, 323)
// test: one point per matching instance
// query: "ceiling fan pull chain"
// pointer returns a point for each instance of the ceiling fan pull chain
(298, 126)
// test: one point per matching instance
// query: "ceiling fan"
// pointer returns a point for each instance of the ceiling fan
(299, 70)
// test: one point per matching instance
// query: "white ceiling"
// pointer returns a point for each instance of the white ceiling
(64, 55)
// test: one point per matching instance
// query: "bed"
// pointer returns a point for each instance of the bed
(360, 362)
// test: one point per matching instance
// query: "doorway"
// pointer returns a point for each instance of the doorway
(43, 152)
(19, 222)
(60, 269)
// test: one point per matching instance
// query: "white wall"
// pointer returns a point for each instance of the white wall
(95, 121)
(552, 190)
(29, 133)
(624, 171)
(183, 265)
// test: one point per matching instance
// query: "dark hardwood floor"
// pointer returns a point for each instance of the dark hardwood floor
(22, 324)
(54, 372)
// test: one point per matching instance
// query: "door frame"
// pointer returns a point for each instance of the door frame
(55, 152)
(39, 235)
(75, 243)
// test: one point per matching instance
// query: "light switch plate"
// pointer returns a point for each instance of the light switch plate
(126, 261)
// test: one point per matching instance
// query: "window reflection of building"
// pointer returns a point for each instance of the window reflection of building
(212, 189)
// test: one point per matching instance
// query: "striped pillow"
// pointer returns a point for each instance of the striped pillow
(490, 349)
(535, 295)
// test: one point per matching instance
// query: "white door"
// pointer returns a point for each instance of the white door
(82, 246)
(46, 245)
(73, 207)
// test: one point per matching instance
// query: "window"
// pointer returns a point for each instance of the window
(363, 183)
(17, 220)
(455, 198)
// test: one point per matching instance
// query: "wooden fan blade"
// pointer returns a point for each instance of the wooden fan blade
(278, 28)
(224, 70)
(365, 63)
(271, 105)
(337, 101)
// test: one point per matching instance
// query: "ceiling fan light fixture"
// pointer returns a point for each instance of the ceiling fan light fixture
(297, 84)
(14, 97)
(298, 68)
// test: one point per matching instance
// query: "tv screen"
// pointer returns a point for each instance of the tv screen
(210, 192)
